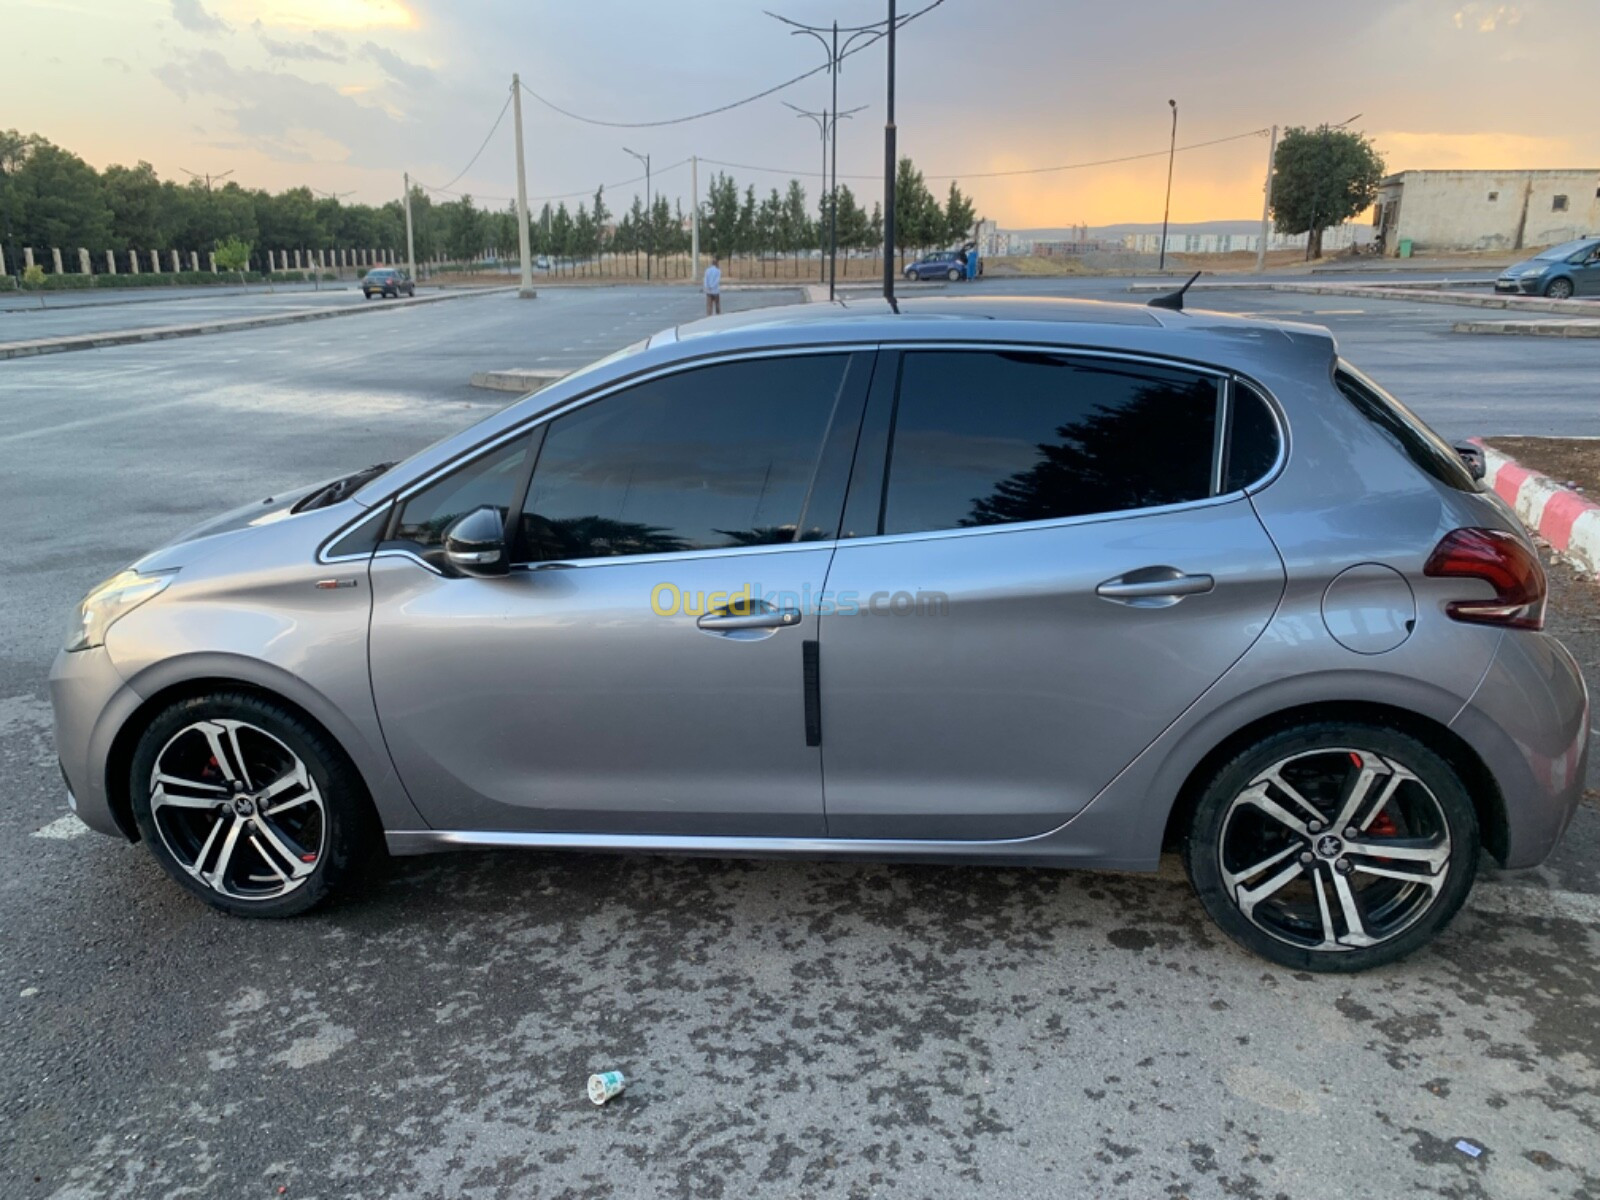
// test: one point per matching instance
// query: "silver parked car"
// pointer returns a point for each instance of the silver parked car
(1054, 583)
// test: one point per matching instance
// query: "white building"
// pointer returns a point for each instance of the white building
(1487, 210)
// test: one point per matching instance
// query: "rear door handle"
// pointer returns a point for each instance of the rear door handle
(777, 618)
(1154, 587)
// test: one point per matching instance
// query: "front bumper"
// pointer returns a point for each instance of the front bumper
(1529, 722)
(1517, 286)
(91, 703)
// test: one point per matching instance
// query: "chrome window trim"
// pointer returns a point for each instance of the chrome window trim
(526, 428)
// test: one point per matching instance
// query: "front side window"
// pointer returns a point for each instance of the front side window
(489, 480)
(997, 437)
(711, 458)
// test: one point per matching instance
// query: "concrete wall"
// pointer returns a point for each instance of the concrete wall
(1488, 210)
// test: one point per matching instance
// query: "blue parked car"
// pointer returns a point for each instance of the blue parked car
(941, 264)
(1570, 269)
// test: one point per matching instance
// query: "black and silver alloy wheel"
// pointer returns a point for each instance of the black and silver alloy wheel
(1334, 847)
(237, 809)
(248, 804)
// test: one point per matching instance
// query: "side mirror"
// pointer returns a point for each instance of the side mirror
(1473, 457)
(475, 544)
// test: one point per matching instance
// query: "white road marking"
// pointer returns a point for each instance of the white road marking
(1535, 902)
(63, 828)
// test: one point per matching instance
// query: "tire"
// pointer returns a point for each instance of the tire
(1250, 869)
(953, 275)
(1559, 289)
(911, 277)
(261, 853)
(366, 295)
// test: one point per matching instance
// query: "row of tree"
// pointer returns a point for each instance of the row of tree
(49, 197)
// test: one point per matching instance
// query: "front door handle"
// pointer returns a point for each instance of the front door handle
(1154, 587)
(775, 618)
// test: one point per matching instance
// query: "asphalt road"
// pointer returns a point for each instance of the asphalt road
(790, 1029)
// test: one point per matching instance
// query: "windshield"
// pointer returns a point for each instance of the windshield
(1567, 249)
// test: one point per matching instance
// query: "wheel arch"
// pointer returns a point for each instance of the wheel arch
(1487, 800)
(164, 694)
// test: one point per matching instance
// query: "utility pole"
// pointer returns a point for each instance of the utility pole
(694, 212)
(1172, 151)
(888, 176)
(1266, 205)
(650, 218)
(411, 246)
(525, 285)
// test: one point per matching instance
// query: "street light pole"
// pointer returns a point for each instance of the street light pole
(411, 249)
(1266, 204)
(1172, 151)
(888, 175)
(649, 216)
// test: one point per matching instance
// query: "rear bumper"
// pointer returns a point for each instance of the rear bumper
(1529, 722)
(91, 702)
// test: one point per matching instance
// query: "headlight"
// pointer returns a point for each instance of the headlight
(110, 601)
(1532, 271)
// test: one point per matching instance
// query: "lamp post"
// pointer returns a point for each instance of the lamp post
(826, 124)
(650, 221)
(1172, 151)
(836, 55)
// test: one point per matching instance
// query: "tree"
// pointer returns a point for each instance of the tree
(769, 226)
(234, 255)
(959, 216)
(1320, 178)
(136, 201)
(719, 220)
(561, 233)
(600, 214)
(663, 230)
(463, 234)
(917, 218)
(796, 224)
(33, 279)
(62, 201)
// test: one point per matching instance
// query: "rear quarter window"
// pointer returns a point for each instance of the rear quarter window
(1404, 430)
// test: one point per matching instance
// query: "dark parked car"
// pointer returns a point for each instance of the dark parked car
(942, 264)
(387, 281)
(1570, 269)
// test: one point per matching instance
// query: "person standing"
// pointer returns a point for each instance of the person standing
(713, 287)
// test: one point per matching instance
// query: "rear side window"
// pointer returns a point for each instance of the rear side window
(997, 437)
(1427, 451)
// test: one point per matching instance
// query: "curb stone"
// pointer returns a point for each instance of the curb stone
(1571, 327)
(521, 380)
(158, 333)
(1567, 519)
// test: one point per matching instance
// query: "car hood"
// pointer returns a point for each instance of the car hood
(1543, 264)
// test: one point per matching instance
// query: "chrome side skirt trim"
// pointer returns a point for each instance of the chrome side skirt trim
(426, 841)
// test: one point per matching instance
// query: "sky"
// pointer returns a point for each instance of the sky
(345, 95)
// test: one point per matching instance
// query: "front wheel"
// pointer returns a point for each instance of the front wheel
(911, 277)
(247, 805)
(953, 275)
(1559, 289)
(1333, 846)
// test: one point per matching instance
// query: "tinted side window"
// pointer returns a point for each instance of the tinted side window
(491, 479)
(717, 457)
(1252, 440)
(991, 438)
(1426, 450)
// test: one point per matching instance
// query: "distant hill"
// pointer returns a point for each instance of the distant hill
(1116, 231)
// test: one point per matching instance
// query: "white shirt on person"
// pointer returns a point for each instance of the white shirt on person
(713, 280)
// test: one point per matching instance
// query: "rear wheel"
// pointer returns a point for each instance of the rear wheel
(248, 806)
(1333, 846)
(953, 274)
(1559, 289)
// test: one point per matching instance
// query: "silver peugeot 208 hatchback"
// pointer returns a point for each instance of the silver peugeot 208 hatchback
(1051, 583)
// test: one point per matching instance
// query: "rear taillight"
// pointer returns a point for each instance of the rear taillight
(1505, 564)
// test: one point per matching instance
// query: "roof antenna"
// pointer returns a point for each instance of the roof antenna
(1172, 300)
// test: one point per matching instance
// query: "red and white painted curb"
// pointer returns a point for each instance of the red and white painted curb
(1568, 520)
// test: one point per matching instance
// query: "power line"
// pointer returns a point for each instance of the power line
(1103, 162)
(474, 158)
(721, 108)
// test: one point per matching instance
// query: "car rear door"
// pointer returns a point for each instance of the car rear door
(1046, 559)
(641, 669)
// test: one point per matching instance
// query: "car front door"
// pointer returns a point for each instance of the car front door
(641, 668)
(1061, 563)
(1586, 274)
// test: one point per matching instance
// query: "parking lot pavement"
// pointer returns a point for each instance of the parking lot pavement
(789, 1029)
(1463, 386)
(65, 320)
